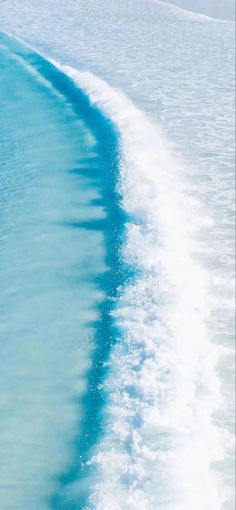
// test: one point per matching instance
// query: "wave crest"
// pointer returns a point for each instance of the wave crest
(162, 389)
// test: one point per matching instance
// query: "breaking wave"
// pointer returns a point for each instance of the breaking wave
(162, 388)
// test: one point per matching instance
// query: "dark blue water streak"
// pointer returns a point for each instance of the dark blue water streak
(72, 484)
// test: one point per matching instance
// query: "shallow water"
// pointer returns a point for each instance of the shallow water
(56, 185)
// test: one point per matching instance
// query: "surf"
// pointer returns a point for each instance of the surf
(162, 389)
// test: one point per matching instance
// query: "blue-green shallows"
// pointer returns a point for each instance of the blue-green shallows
(60, 235)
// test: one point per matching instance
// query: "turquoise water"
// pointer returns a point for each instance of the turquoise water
(60, 233)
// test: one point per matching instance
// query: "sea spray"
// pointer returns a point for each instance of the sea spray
(163, 390)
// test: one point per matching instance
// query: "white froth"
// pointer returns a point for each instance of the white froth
(161, 440)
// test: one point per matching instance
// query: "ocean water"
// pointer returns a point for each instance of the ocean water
(56, 177)
(117, 257)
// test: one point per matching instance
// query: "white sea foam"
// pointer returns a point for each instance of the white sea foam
(163, 390)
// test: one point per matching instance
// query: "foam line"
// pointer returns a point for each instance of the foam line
(163, 389)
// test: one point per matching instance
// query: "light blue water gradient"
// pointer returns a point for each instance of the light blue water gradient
(60, 235)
